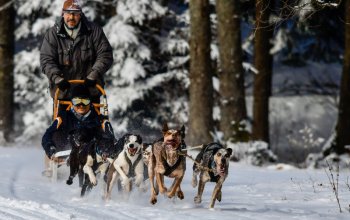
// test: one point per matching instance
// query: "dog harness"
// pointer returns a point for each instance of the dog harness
(213, 177)
(132, 167)
(170, 169)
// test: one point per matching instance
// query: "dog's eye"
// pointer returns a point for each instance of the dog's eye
(218, 154)
(227, 156)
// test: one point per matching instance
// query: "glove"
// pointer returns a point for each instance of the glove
(52, 151)
(63, 85)
(89, 82)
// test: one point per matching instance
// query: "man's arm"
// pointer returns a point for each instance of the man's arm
(47, 140)
(104, 54)
(49, 58)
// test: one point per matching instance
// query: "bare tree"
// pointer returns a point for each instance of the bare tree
(7, 26)
(201, 88)
(263, 63)
(232, 95)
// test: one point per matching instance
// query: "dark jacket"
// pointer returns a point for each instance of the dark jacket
(67, 122)
(89, 55)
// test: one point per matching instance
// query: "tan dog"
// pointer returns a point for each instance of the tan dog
(167, 161)
(211, 165)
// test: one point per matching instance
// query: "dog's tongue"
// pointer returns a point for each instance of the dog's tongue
(132, 151)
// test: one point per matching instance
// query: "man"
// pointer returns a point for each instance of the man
(75, 48)
(81, 116)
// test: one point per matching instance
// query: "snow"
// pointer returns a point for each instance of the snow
(275, 192)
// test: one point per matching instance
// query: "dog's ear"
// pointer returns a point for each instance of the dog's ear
(139, 139)
(182, 132)
(165, 127)
(229, 151)
(145, 146)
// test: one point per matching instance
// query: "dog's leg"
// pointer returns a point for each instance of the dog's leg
(180, 194)
(125, 181)
(150, 169)
(103, 170)
(139, 178)
(74, 165)
(216, 192)
(177, 182)
(88, 170)
(194, 181)
(160, 183)
(111, 176)
(201, 185)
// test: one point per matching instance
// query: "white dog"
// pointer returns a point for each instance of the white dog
(128, 167)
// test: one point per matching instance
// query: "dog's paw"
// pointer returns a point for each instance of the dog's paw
(93, 180)
(170, 195)
(153, 200)
(218, 197)
(197, 199)
(180, 195)
(69, 180)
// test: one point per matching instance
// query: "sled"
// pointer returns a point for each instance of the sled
(61, 157)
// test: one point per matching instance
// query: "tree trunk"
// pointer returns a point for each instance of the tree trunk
(343, 124)
(201, 87)
(263, 63)
(232, 94)
(6, 67)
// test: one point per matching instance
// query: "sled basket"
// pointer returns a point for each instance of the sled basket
(61, 157)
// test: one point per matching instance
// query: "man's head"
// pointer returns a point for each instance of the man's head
(71, 13)
(80, 97)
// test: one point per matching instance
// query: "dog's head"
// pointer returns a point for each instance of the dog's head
(146, 152)
(80, 137)
(173, 137)
(222, 159)
(132, 144)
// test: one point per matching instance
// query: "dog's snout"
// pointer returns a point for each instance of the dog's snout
(131, 145)
(223, 160)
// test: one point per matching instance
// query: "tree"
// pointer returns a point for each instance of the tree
(232, 94)
(201, 88)
(263, 63)
(343, 123)
(7, 25)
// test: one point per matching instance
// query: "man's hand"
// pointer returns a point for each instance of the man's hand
(89, 82)
(63, 85)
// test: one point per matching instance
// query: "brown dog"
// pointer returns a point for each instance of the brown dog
(166, 160)
(211, 165)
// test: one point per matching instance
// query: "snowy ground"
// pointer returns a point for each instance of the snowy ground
(248, 193)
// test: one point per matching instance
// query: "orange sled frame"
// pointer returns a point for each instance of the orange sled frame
(61, 157)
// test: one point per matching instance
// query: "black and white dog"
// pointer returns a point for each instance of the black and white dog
(128, 167)
(211, 165)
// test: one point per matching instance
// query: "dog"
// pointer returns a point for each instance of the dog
(211, 164)
(166, 160)
(83, 159)
(127, 166)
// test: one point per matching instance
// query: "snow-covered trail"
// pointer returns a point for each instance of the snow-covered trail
(248, 193)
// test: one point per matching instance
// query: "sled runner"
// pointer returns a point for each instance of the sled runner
(61, 157)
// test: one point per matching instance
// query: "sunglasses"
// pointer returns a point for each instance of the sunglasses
(80, 101)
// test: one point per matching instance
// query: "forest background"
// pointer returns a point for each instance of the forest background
(269, 79)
